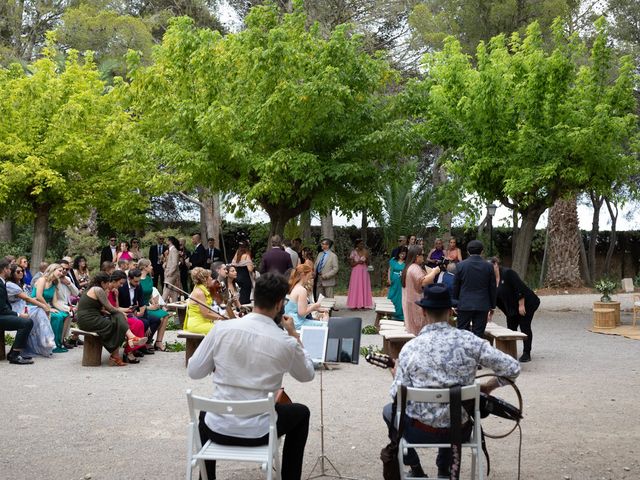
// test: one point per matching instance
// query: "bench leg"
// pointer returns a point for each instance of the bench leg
(181, 314)
(395, 347)
(192, 345)
(91, 351)
(507, 346)
(3, 354)
(377, 322)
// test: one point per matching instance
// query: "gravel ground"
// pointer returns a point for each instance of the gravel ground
(64, 421)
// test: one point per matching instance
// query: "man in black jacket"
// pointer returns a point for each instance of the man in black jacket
(199, 256)
(475, 289)
(10, 320)
(130, 296)
(155, 256)
(108, 253)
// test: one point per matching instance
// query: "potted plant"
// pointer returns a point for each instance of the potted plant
(606, 287)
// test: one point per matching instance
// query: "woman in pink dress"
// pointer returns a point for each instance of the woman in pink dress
(414, 278)
(360, 283)
(123, 253)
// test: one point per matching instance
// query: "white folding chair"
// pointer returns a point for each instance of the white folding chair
(266, 455)
(441, 395)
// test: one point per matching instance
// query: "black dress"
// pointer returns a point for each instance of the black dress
(111, 329)
(245, 284)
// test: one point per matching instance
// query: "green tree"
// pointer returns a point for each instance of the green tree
(60, 148)
(275, 113)
(527, 126)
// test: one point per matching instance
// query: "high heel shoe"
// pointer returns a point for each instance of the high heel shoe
(136, 341)
(159, 346)
(116, 361)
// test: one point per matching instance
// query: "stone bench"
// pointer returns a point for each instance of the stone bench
(92, 348)
(504, 338)
(383, 310)
(193, 341)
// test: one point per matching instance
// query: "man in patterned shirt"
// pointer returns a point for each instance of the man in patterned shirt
(441, 356)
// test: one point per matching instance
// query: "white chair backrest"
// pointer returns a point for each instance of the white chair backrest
(230, 407)
(439, 395)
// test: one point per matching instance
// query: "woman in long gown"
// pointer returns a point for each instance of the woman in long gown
(359, 295)
(244, 266)
(394, 279)
(113, 328)
(44, 291)
(414, 279)
(200, 319)
(41, 340)
(298, 306)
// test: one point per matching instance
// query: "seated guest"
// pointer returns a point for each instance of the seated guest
(23, 263)
(81, 272)
(199, 318)
(41, 269)
(68, 295)
(113, 328)
(10, 321)
(247, 358)
(298, 306)
(123, 265)
(428, 361)
(219, 271)
(45, 291)
(108, 267)
(232, 289)
(153, 311)
(136, 325)
(41, 339)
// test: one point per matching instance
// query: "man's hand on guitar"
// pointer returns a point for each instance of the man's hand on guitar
(381, 360)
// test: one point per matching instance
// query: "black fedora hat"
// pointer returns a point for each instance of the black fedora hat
(436, 297)
(475, 247)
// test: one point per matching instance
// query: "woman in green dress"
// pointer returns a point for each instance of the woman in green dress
(154, 312)
(44, 291)
(96, 314)
(396, 265)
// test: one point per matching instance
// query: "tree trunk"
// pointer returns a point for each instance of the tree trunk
(613, 213)
(305, 225)
(564, 249)
(281, 213)
(596, 203)
(209, 213)
(522, 242)
(326, 225)
(363, 226)
(439, 178)
(584, 262)
(6, 230)
(40, 235)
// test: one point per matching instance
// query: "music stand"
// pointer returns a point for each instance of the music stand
(343, 345)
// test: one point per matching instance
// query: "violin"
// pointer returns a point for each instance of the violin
(215, 290)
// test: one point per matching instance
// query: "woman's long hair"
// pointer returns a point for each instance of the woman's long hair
(412, 255)
(243, 248)
(49, 273)
(14, 278)
(297, 274)
(99, 279)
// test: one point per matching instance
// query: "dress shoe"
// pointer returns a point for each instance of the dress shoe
(147, 351)
(444, 473)
(19, 360)
(526, 357)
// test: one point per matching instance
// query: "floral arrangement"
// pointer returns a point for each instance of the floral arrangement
(606, 287)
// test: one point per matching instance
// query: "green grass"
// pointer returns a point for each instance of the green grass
(364, 351)
(8, 339)
(369, 330)
(175, 347)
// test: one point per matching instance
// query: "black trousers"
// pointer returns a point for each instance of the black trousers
(474, 320)
(158, 277)
(524, 322)
(293, 421)
(22, 326)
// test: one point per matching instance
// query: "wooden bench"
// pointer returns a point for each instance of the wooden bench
(393, 340)
(504, 338)
(3, 354)
(181, 310)
(92, 348)
(383, 310)
(193, 341)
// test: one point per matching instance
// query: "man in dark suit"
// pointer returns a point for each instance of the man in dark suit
(213, 254)
(108, 253)
(10, 320)
(199, 256)
(475, 289)
(276, 259)
(130, 296)
(155, 256)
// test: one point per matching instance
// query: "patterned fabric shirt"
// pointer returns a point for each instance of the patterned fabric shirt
(442, 356)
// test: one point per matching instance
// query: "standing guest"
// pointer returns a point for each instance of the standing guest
(306, 257)
(232, 288)
(199, 318)
(453, 253)
(436, 254)
(243, 263)
(113, 328)
(288, 247)
(326, 270)
(10, 320)
(296, 246)
(412, 241)
(247, 358)
(413, 281)
(123, 252)
(276, 259)
(518, 302)
(394, 280)
(153, 310)
(213, 254)
(45, 291)
(440, 357)
(134, 250)
(41, 269)
(475, 290)
(23, 262)
(185, 253)
(199, 256)
(359, 295)
(41, 339)
(156, 254)
(402, 242)
(81, 271)
(109, 253)
(172, 271)
(298, 306)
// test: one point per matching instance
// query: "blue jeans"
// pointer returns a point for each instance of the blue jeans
(413, 434)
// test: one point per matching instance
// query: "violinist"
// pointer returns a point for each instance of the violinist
(201, 317)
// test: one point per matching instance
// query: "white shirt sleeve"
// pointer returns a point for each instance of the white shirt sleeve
(301, 364)
(201, 363)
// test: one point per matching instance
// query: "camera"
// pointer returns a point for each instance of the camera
(442, 264)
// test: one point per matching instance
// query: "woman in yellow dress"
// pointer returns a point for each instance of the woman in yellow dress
(200, 319)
